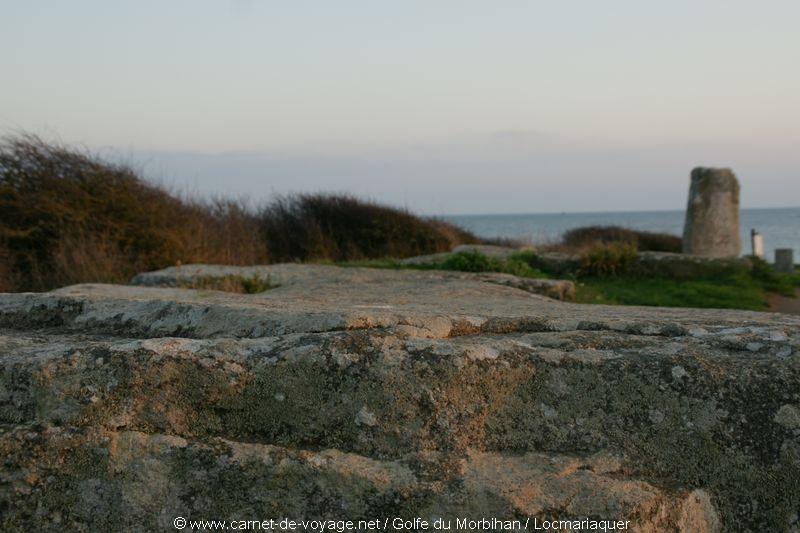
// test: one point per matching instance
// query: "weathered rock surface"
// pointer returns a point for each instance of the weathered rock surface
(712, 214)
(348, 394)
(294, 275)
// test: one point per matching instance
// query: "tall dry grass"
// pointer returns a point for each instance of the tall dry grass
(586, 238)
(309, 227)
(67, 216)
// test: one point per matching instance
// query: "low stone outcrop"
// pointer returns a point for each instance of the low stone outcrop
(293, 274)
(362, 394)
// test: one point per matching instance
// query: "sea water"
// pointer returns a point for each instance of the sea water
(780, 227)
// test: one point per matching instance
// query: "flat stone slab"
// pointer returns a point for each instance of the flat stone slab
(359, 393)
(331, 276)
(314, 298)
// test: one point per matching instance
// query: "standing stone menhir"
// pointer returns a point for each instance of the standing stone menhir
(712, 214)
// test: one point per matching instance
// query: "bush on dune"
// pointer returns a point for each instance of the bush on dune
(309, 227)
(591, 236)
(611, 259)
(8, 280)
(67, 217)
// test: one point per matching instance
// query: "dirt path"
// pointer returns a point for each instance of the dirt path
(784, 304)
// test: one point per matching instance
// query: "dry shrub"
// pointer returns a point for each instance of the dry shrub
(77, 258)
(455, 235)
(341, 227)
(610, 259)
(8, 281)
(67, 217)
(231, 234)
(581, 239)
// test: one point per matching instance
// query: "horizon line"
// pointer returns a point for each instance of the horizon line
(594, 212)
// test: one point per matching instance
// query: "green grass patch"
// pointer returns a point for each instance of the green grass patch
(745, 289)
(473, 261)
(772, 281)
(470, 261)
(742, 293)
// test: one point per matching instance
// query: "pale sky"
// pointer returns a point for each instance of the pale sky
(444, 106)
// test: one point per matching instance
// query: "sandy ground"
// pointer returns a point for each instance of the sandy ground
(784, 304)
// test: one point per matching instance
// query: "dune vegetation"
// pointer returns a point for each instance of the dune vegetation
(313, 227)
(642, 241)
(68, 216)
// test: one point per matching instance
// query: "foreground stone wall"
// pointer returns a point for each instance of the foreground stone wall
(355, 393)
